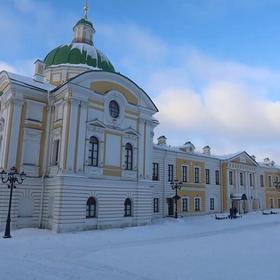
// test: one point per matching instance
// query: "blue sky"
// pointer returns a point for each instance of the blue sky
(211, 66)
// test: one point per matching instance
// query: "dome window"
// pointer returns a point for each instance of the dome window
(114, 109)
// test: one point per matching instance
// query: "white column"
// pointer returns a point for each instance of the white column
(8, 115)
(73, 135)
(64, 136)
(141, 148)
(148, 152)
(82, 138)
(13, 146)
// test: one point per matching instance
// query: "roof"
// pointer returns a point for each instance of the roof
(79, 54)
(200, 154)
(28, 81)
(83, 21)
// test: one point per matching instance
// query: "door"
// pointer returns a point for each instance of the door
(170, 206)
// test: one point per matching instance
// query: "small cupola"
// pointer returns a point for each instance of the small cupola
(207, 150)
(188, 147)
(162, 140)
(84, 29)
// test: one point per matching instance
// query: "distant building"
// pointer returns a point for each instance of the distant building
(83, 133)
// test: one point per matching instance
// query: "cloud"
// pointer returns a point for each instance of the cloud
(5, 66)
(229, 105)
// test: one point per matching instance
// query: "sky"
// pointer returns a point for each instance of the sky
(211, 66)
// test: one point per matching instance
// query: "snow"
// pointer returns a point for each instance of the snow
(192, 248)
(30, 81)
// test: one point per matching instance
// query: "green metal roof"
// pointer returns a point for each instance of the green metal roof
(79, 54)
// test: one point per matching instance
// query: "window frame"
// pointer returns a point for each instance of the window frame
(128, 207)
(197, 209)
(93, 151)
(262, 180)
(212, 203)
(196, 175)
(170, 172)
(184, 169)
(55, 152)
(270, 181)
(156, 204)
(207, 176)
(155, 171)
(230, 177)
(241, 178)
(91, 203)
(114, 109)
(128, 157)
(183, 208)
(217, 177)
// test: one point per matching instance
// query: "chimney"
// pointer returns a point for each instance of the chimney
(266, 161)
(253, 157)
(207, 150)
(39, 71)
(162, 140)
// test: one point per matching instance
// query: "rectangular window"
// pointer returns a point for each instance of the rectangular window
(55, 152)
(217, 175)
(170, 172)
(251, 179)
(185, 204)
(230, 177)
(197, 204)
(207, 176)
(156, 205)
(212, 204)
(184, 173)
(196, 175)
(278, 203)
(276, 179)
(261, 181)
(241, 179)
(270, 181)
(155, 171)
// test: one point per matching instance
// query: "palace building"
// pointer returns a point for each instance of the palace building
(83, 133)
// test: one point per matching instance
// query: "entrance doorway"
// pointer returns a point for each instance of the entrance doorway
(170, 207)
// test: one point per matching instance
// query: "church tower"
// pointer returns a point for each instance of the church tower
(69, 60)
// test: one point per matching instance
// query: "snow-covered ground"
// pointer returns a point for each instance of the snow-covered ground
(194, 248)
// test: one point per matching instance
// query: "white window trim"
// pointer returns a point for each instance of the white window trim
(188, 208)
(199, 174)
(188, 171)
(197, 197)
(210, 203)
(232, 178)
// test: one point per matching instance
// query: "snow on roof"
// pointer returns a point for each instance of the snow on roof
(24, 80)
(178, 149)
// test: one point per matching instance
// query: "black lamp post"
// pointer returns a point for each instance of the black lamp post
(176, 185)
(11, 178)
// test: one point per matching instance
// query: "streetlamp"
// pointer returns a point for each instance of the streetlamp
(11, 178)
(176, 185)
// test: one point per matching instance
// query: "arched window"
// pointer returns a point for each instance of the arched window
(93, 151)
(128, 156)
(127, 208)
(91, 208)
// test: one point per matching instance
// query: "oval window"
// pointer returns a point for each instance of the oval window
(114, 109)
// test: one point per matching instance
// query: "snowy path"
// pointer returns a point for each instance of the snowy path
(194, 248)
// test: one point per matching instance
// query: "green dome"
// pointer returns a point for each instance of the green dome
(79, 54)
